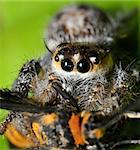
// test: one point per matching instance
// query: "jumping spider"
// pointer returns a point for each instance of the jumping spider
(80, 89)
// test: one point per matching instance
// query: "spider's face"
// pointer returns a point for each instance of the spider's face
(81, 59)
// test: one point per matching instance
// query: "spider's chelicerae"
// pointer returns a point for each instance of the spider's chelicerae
(81, 91)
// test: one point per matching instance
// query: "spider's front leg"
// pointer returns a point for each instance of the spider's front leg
(28, 72)
(20, 88)
(34, 91)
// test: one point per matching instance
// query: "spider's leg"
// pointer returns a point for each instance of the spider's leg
(23, 83)
(132, 115)
(12, 100)
(126, 142)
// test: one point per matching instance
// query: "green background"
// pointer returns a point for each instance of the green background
(22, 25)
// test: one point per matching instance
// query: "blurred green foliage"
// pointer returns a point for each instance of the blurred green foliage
(22, 25)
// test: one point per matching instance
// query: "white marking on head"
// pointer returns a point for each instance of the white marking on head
(76, 57)
(61, 57)
(93, 59)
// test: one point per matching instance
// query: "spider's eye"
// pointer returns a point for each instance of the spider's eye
(83, 66)
(67, 64)
(56, 58)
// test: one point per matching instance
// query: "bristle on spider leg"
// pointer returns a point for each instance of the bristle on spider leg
(47, 46)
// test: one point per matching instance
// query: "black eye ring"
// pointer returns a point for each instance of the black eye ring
(83, 66)
(67, 64)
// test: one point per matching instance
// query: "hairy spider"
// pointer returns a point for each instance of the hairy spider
(77, 95)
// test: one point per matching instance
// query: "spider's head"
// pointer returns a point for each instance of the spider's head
(80, 58)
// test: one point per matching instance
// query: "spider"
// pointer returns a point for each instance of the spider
(79, 93)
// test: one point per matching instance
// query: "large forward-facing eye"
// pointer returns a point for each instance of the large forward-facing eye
(83, 66)
(67, 64)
